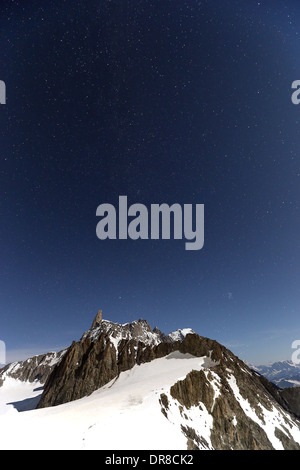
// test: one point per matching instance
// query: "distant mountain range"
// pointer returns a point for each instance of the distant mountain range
(284, 374)
(130, 387)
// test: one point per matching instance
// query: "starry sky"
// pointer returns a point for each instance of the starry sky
(180, 101)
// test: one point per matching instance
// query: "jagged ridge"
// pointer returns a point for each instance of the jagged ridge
(35, 369)
(103, 352)
(224, 404)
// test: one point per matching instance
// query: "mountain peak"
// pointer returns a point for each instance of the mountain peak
(192, 384)
(97, 320)
(138, 330)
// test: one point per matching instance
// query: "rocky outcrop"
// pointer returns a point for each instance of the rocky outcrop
(288, 398)
(234, 406)
(97, 321)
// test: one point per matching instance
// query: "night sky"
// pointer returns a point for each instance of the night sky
(170, 101)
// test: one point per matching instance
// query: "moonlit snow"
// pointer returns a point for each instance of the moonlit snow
(124, 414)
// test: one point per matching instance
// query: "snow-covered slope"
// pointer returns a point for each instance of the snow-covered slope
(124, 414)
(130, 387)
(17, 396)
(152, 406)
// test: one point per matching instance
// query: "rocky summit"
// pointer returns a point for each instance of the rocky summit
(215, 401)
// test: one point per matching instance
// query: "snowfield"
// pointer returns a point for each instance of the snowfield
(124, 414)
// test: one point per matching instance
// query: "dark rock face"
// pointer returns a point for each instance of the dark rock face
(37, 368)
(83, 366)
(193, 390)
(237, 422)
(291, 399)
(196, 391)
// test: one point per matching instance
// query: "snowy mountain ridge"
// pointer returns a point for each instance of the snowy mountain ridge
(130, 387)
(34, 369)
(139, 330)
(39, 367)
